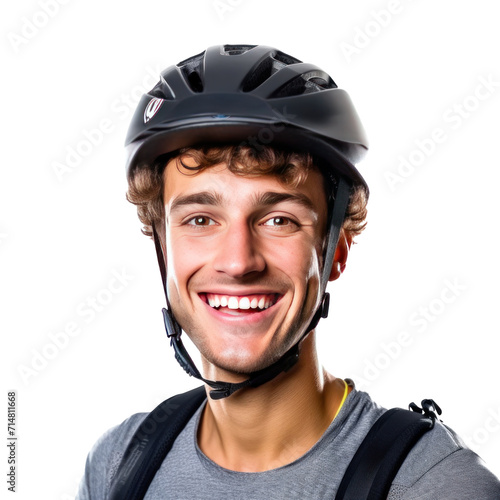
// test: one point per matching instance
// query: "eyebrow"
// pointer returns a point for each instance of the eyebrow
(272, 198)
(201, 198)
(264, 199)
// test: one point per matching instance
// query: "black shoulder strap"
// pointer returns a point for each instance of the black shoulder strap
(368, 477)
(151, 443)
(381, 454)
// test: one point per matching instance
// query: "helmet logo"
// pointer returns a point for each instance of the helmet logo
(152, 108)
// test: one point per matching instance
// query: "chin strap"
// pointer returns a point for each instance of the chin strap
(221, 389)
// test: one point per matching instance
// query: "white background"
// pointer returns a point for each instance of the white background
(62, 237)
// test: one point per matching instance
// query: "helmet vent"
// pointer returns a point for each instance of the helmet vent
(285, 58)
(191, 69)
(304, 84)
(265, 69)
(236, 50)
(258, 75)
(321, 82)
(162, 90)
(195, 81)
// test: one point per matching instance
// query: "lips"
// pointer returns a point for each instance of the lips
(250, 303)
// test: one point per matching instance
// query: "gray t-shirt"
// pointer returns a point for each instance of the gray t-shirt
(439, 466)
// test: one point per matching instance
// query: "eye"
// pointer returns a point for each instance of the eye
(277, 221)
(201, 220)
(280, 222)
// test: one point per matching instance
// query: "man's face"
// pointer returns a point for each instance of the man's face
(243, 260)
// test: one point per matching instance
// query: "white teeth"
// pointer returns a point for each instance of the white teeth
(232, 303)
(245, 303)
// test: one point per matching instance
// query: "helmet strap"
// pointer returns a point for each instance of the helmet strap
(221, 389)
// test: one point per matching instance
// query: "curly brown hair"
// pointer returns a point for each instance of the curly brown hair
(146, 182)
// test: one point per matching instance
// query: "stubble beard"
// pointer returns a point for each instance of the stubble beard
(234, 362)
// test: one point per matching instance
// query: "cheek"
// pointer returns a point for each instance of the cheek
(298, 261)
(182, 260)
(307, 275)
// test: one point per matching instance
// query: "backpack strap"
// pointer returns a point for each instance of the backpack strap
(376, 462)
(151, 443)
(369, 476)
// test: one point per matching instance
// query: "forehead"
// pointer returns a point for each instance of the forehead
(184, 178)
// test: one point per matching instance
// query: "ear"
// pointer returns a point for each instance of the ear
(341, 254)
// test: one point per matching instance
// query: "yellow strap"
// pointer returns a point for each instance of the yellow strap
(346, 391)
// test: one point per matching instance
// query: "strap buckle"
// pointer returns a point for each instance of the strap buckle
(429, 409)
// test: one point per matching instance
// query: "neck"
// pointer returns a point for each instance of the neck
(263, 428)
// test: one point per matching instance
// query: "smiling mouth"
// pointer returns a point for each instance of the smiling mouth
(244, 303)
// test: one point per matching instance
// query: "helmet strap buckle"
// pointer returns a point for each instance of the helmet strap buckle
(325, 305)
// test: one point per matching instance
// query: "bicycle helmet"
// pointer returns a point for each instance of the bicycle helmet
(251, 95)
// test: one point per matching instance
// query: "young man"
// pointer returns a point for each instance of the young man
(241, 164)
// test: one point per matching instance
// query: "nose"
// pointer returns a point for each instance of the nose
(238, 251)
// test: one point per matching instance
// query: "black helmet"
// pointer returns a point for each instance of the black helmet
(253, 94)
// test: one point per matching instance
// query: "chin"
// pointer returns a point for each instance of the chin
(243, 363)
